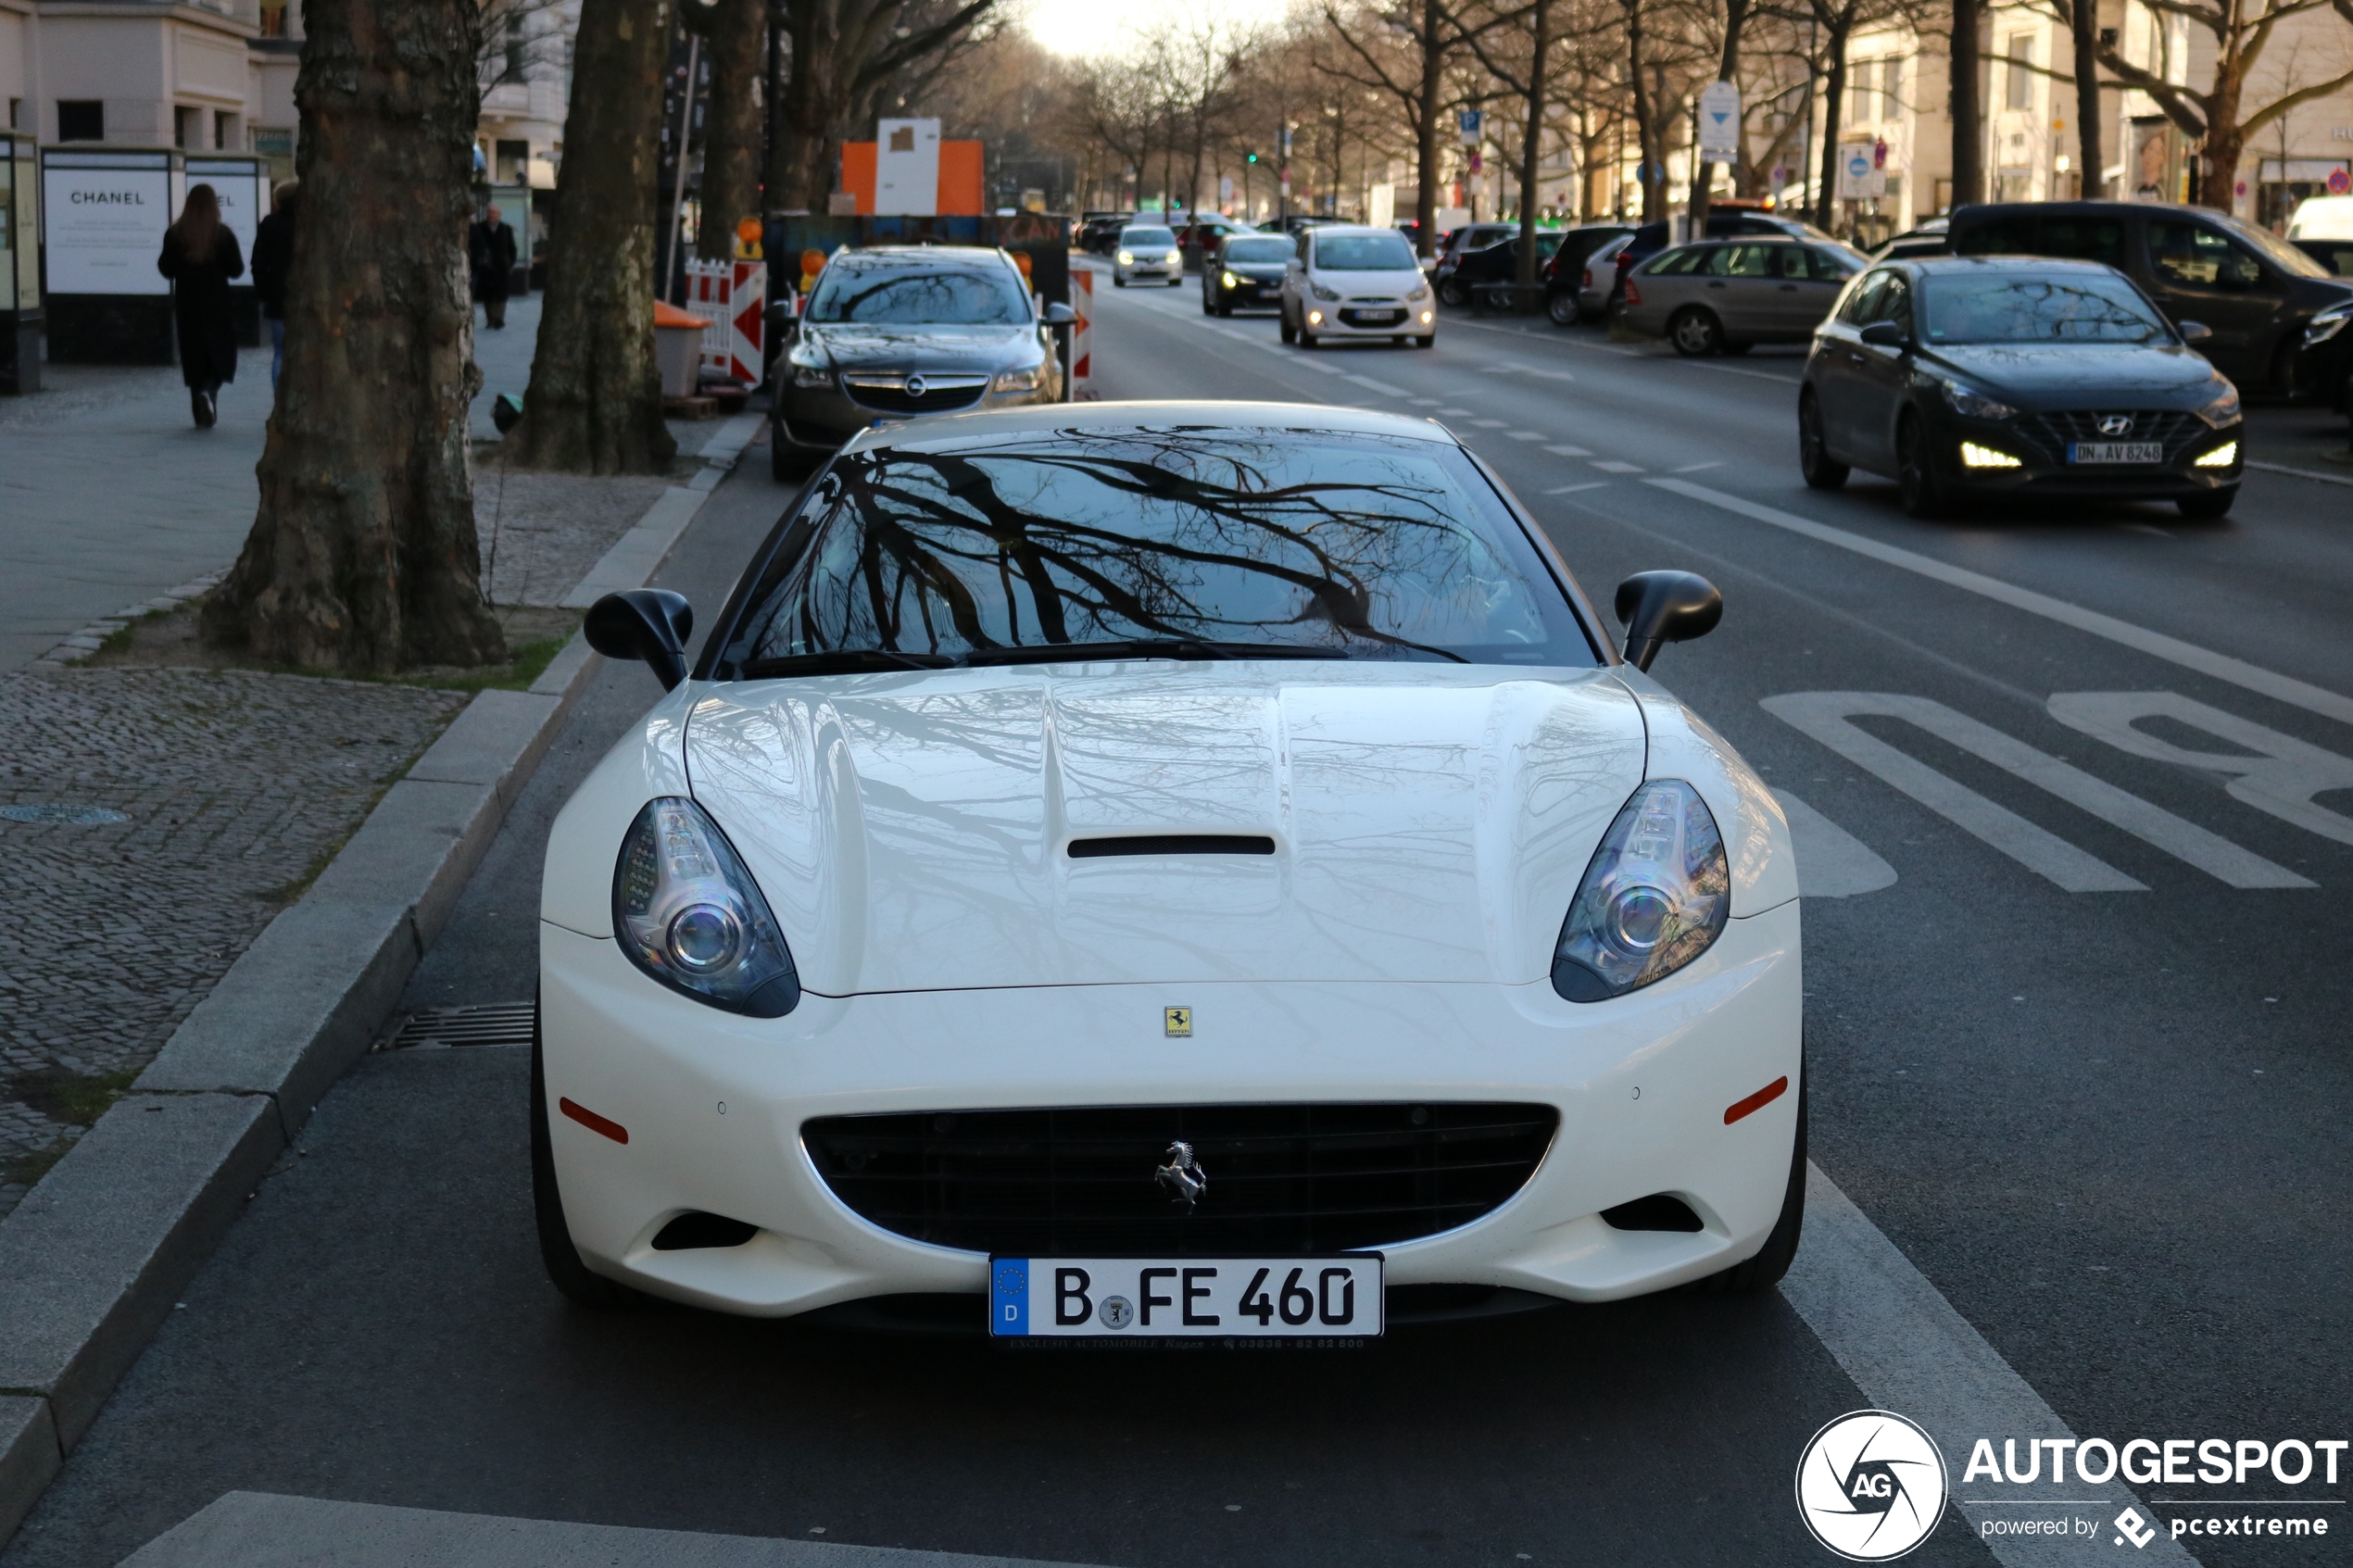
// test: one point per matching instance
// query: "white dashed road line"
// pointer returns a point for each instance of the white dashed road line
(1695, 468)
(1369, 384)
(2301, 473)
(1611, 465)
(1527, 435)
(1568, 451)
(1573, 489)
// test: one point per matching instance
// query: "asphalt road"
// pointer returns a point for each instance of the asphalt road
(2082, 1060)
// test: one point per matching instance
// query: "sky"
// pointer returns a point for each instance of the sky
(1108, 27)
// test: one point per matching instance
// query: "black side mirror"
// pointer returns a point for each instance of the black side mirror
(1883, 334)
(1659, 608)
(2193, 332)
(1060, 315)
(651, 624)
(782, 324)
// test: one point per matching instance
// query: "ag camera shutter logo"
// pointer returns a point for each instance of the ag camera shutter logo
(1870, 1486)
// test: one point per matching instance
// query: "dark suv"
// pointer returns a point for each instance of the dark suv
(2281, 325)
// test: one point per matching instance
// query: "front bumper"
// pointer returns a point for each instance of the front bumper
(1252, 293)
(1349, 319)
(1160, 272)
(821, 418)
(2043, 471)
(713, 1104)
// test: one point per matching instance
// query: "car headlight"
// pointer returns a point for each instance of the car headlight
(1127, 258)
(1229, 281)
(1655, 896)
(1320, 292)
(686, 911)
(2327, 324)
(809, 368)
(1019, 381)
(2224, 409)
(1976, 404)
(1976, 457)
(1421, 292)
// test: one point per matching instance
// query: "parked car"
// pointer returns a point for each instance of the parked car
(1932, 238)
(1725, 297)
(2009, 376)
(1470, 237)
(1460, 279)
(1564, 275)
(2321, 228)
(1099, 234)
(1602, 278)
(1108, 843)
(1292, 222)
(1147, 253)
(1199, 239)
(1345, 280)
(899, 331)
(2276, 319)
(1246, 274)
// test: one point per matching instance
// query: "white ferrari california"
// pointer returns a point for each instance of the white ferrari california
(1163, 869)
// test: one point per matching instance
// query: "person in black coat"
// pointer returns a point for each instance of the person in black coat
(490, 246)
(200, 255)
(273, 257)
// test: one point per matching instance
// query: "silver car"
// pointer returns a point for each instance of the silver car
(1147, 254)
(1724, 297)
(901, 331)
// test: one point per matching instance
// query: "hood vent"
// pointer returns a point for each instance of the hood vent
(1172, 844)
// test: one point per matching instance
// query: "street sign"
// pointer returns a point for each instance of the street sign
(2339, 181)
(1478, 164)
(1471, 121)
(1860, 178)
(1878, 153)
(1719, 123)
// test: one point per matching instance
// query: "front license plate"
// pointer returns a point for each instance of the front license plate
(1186, 1298)
(1380, 318)
(2116, 452)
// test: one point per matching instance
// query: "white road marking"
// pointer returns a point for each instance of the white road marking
(261, 1530)
(1568, 451)
(1828, 716)
(1831, 862)
(2189, 655)
(1454, 411)
(1611, 465)
(1527, 435)
(1369, 384)
(1490, 425)
(2301, 473)
(1908, 1351)
(1424, 402)
(1573, 489)
(2281, 777)
(1695, 468)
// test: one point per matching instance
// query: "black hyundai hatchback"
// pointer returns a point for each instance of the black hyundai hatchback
(1968, 376)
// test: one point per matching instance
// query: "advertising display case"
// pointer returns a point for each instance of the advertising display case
(242, 181)
(103, 218)
(20, 264)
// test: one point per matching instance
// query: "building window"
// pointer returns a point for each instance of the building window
(81, 120)
(225, 130)
(187, 129)
(16, 114)
(273, 20)
(2021, 74)
(514, 72)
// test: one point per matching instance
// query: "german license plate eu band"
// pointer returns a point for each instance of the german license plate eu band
(1186, 1298)
(2116, 452)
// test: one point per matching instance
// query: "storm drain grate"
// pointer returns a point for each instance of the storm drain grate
(503, 1023)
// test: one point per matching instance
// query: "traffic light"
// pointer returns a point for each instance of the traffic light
(1249, 158)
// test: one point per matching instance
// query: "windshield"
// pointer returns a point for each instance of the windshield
(1147, 237)
(1364, 252)
(1258, 250)
(909, 293)
(2057, 307)
(1251, 543)
(2277, 251)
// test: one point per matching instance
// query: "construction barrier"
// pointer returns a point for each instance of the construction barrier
(1082, 365)
(733, 297)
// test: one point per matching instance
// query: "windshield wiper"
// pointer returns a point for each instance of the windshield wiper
(841, 661)
(1143, 648)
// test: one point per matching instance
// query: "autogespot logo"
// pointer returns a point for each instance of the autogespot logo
(1870, 1486)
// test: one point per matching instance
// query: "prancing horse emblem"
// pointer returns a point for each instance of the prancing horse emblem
(2116, 424)
(1183, 1176)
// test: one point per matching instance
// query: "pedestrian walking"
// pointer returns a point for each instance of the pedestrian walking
(490, 245)
(272, 259)
(200, 255)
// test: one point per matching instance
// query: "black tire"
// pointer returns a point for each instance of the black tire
(2207, 505)
(1695, 333)
(1206, 308)
(1177, 283)
(1224, 309)
(1561, 306)
(1429, 342)
(1306, 338)
(1117, 282)
(1765, 1269)
(1916, 481)
(1822, 472)
(565, 1271)
(1452, 292)
(1290, 334)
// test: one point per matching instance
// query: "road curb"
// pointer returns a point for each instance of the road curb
(93, 1258)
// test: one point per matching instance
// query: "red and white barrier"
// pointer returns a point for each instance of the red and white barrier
(734, 296)
(1082, 366)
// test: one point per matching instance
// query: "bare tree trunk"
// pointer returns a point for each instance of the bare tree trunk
(594, 405)
(2087, 29)
(1840, 25)
(1652, 174)
(364, 556)
(1969, 139)
(1533, 140)
(800, 170)
(733, 130)
(1425, 143)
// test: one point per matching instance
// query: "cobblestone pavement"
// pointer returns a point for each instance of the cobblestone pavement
(541, 533)
(231, 788)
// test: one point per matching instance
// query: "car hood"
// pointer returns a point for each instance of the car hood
(911, 832)
(921, 348)
(1385, 285)
(2056, 374)
(1263, 271)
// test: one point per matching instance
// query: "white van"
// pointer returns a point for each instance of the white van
(2322, 218)
(1350, 280)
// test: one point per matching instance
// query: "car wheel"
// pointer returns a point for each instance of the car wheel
(1177, 283)
(2207, 505)
(565, 1271)
(1206, 308)
(1562, 308)
(1452, 292)
(1765, 1269)
(1117, 282)
(1915, 478)
(1225, 309)
(1822, 472)
(1290, 334)
(1429, 342)
(1306, 338)
(1696, 333)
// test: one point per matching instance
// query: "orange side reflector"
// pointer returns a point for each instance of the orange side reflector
(620, 1134)
(1732, 1112)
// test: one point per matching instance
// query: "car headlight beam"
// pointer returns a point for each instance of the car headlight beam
(1229, 281)
(1655, 898)
(686, 911)
(1976, 457)
(2222, 456)
(1127, 258)
(1320, 292)
(1019, 381)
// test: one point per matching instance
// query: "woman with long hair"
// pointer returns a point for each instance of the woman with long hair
(200, 255)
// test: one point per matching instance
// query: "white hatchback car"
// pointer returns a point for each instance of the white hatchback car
(1350, 280)
(1147, 253)
(1165, 869)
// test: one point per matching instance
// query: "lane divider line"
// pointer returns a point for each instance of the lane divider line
(1573, 489)
(2173, 650)
(2301, 473)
